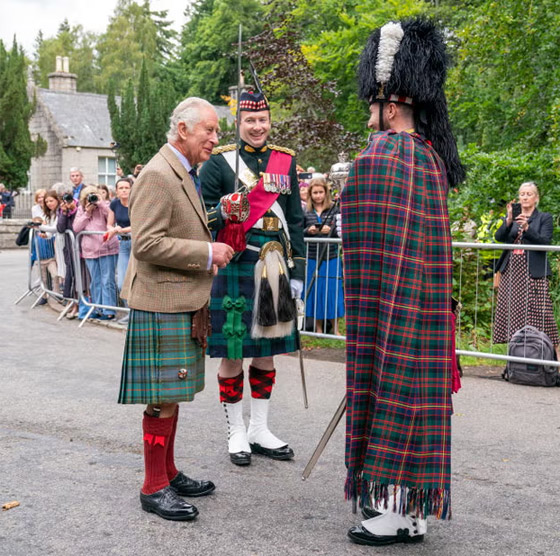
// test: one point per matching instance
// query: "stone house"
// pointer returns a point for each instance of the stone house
(77, 128)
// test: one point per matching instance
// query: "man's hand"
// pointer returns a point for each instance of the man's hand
(221, 254)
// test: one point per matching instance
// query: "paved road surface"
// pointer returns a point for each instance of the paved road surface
(72, 457)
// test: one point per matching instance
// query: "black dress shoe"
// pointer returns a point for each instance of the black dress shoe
(360, 535)
(241, 458)
(168, 505)
(185, 486)
(285, 452)
(368, 512)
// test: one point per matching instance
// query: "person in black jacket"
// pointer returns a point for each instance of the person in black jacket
(66, 214)
(523, 293)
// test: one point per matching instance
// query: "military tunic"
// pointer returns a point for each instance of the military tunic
(233, 289)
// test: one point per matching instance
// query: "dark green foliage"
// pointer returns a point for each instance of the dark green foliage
(16, 145)
(207, 62)
(139, 125)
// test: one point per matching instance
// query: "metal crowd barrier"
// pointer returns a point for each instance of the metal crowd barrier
(32, 285)
(325, 248)
(460, 251)
(79, 282)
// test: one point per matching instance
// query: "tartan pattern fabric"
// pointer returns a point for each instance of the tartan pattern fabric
(231, 389)
(161, 362)
(237, 281)
(397, 254)
(261, 382)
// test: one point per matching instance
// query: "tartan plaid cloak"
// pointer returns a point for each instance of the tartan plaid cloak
(397, 255)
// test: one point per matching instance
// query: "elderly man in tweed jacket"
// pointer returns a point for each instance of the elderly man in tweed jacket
(167, 287)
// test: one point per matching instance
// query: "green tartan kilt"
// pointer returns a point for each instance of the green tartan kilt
(235, 284)
(161, 362)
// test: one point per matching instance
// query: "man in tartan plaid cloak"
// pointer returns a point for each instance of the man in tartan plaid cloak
(397, 256)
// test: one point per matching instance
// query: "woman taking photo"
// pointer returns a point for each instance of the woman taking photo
(100, 255)
(523, 291)
(325, 300)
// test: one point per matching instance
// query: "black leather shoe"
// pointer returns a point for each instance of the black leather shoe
(241, 458)
(168, 505)
(368, 512)
(360, 535)
(185, 486)
(285, 452)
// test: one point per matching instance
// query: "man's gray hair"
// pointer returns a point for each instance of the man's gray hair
(189, 112)
(76, 169)
(62, 188)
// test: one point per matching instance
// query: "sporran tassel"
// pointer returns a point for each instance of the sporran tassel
(286, 304)
(266, 315)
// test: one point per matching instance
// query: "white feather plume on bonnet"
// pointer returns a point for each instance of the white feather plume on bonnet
(389, 42)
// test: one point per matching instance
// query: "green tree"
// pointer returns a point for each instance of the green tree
(139, 124)
(73, 42)
(505, 90)
(135, 33)
(16, 146)
(207, 61)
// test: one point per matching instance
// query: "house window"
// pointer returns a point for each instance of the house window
(106, 170)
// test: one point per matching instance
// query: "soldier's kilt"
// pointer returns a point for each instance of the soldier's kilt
(161, 362)
(237, 281)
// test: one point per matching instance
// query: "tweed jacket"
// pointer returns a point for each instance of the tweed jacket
(167, 271)
(539, 232)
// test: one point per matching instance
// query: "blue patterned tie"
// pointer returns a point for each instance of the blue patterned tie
(196, 180)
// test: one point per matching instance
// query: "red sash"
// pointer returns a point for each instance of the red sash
(259, 199)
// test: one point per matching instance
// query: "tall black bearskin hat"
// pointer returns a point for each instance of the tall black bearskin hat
(407, 62)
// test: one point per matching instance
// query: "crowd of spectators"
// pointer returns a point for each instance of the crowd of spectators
(104, 256)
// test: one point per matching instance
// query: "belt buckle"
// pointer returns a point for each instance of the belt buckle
(270, 224)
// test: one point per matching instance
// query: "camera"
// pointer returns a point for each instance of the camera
(68, 197)
(515, 210)
(305, 175)
(92, 198)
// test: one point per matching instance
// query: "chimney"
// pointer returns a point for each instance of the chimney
(61, 79)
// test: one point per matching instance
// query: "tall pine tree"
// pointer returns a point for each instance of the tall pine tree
(16, 146)
(139, 124)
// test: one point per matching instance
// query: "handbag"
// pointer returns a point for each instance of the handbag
(23, 237)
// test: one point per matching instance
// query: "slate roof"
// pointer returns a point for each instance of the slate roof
(81, 118)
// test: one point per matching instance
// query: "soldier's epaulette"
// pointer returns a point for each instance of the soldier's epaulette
(224, 149)
(282, 149)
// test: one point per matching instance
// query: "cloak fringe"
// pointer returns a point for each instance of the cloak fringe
(419, 501)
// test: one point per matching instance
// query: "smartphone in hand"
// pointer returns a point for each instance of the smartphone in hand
(515, 210)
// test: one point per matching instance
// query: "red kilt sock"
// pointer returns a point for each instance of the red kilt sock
(170, 457)
(261, 382)
(231, 389)
(157, 431)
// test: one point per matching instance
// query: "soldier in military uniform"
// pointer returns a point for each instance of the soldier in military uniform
(252, 301)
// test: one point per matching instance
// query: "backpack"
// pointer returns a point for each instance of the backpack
(533, 344)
